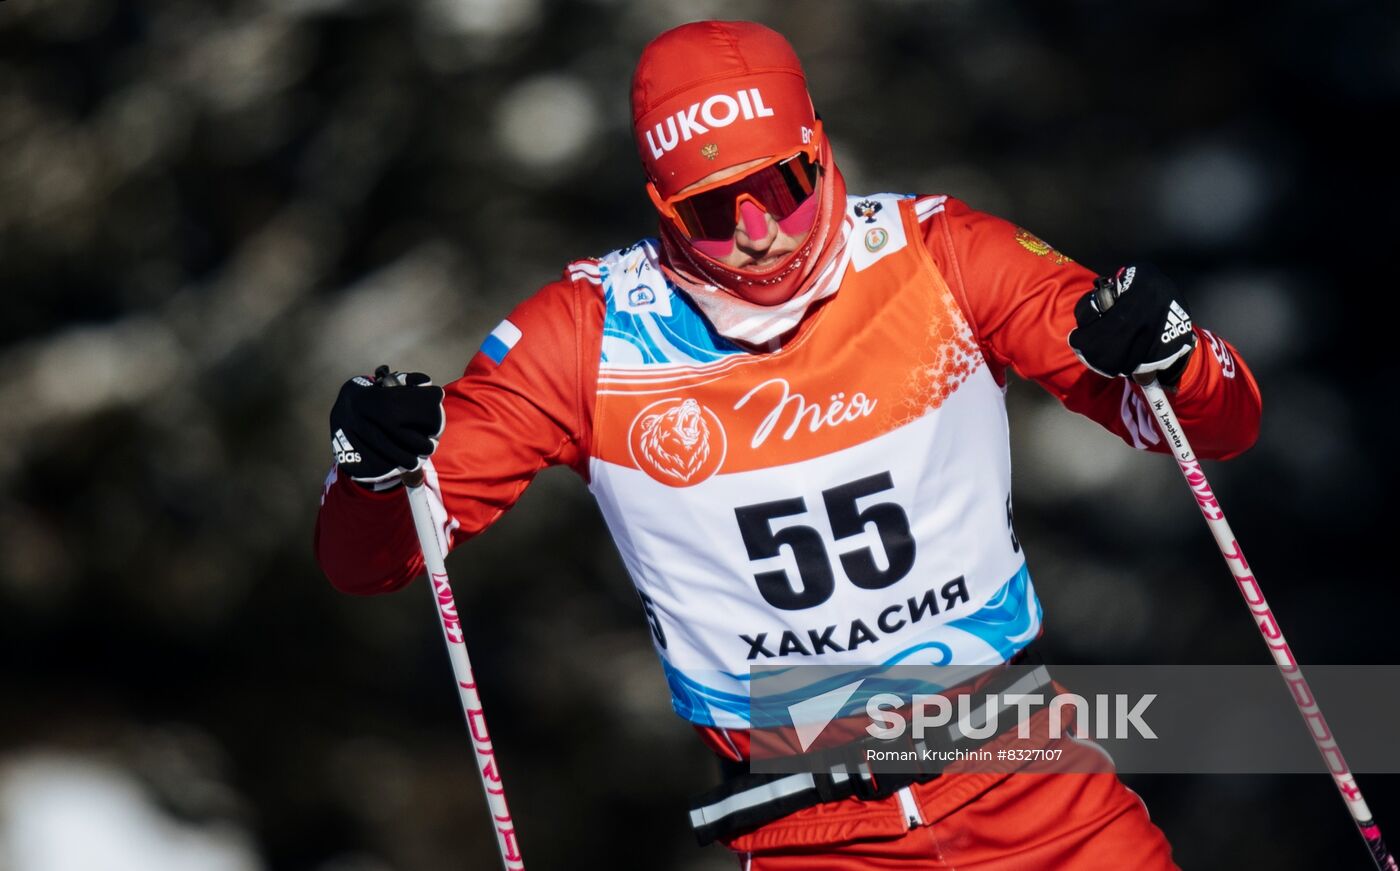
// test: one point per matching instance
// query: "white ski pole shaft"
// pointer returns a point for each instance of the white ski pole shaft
(434, 547)
(1268, 626)
(440, 587)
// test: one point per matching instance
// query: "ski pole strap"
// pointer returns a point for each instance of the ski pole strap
(746, 800)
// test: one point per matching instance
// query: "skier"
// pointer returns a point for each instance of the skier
(790, 408)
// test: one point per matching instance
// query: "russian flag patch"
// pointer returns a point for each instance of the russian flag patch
(501, 340)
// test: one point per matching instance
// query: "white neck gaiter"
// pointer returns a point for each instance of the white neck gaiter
(743, 321)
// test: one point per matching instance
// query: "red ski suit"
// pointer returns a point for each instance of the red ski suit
(511, 415)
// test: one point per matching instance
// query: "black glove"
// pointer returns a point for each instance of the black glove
(379, 431)
(1134, 322)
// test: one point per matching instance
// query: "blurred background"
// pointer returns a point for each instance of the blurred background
(212, 213)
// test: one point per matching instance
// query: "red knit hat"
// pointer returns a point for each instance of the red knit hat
(714, 94)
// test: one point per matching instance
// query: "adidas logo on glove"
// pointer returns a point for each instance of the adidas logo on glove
(343, 450)
(1178, 323)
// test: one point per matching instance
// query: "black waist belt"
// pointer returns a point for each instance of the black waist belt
(746, 800)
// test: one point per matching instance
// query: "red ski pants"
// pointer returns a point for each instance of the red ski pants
(1057, 822)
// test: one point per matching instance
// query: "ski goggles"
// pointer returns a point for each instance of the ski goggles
(779, 188)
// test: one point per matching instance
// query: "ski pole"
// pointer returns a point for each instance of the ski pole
(1264, 619)
(434, 548)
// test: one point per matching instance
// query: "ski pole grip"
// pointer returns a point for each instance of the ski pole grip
(384, 377)
(1105, 295)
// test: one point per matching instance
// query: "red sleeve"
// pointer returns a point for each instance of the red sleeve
(505, 422)
(1019, 294)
